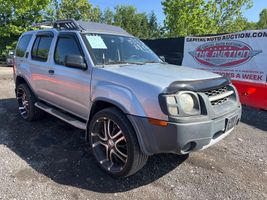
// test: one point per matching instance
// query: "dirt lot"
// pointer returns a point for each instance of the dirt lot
(48, 159)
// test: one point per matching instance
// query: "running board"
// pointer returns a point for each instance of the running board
(65, 117)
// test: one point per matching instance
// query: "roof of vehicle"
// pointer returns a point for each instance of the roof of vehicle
(94, 27)
(83, 26)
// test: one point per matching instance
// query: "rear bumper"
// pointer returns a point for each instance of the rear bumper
(181, 138)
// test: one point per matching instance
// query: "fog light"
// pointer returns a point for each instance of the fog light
(189, 147)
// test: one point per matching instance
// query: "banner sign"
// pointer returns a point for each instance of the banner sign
(240, 56)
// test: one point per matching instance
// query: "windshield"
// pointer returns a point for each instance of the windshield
(114, 49)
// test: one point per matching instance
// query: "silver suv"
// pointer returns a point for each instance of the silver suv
(130, 103)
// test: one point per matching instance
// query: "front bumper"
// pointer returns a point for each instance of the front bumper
(181, 138)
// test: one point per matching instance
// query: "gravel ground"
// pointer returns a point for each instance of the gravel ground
(48, 159)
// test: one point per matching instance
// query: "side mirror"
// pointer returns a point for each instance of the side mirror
(162, 58)
(75, 61)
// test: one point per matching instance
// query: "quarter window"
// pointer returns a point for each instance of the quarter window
(41, 48)
(66, 46)
(23, 44)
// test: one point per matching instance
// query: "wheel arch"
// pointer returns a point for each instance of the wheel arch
(102, 103)
(21, 80)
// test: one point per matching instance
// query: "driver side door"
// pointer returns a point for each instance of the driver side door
(70, 86)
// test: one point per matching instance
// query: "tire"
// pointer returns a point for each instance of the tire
(26, 101)
(114, 143)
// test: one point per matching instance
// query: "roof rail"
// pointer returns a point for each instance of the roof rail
(43, 25)
(67, 24)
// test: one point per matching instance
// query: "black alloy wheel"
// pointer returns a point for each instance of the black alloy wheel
(23, 102)
(114, 143)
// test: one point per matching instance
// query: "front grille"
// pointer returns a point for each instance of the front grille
(219, 96)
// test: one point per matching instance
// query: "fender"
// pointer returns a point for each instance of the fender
(26, 81)
(123, 99)
(120, 96)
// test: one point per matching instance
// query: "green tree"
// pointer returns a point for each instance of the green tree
(242, 23)
(95, 14)
(186, 17)
(262, 24)
(227, 14)
(138, 24)
(107, 17)
(77, 9)
(198, 17)
(17, 17)
(154, 27)
(51, 12)
(135, 23)
(251, 26)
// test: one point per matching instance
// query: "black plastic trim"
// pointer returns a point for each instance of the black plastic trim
(197, 86)
(45, 33)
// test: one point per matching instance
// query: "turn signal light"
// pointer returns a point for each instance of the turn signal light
(157, 122)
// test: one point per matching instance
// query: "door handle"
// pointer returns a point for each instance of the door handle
(50, 71)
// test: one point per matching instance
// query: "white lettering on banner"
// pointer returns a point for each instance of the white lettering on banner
(239, 56)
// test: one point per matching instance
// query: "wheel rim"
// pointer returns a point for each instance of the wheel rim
(109, 145)
(23, 103)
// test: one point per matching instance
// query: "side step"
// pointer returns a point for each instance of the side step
(65, 117)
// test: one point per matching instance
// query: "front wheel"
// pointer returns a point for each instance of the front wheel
(114, 143)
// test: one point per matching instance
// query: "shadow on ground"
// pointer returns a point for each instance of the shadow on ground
(255, 118)
(58, 151)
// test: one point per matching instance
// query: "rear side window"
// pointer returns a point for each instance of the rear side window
(41, 48)
(66, 46)
(23, 44)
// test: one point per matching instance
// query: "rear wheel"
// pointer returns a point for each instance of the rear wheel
(26, 101)
(114, 143)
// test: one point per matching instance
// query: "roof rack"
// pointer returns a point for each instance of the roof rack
(67, 24)
(43, 25)
(82, 26)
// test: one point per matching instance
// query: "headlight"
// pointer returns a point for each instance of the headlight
(184, 103)
(172, 105)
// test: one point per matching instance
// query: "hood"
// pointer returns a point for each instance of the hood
(160, 74)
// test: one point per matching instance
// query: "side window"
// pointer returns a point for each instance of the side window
(35, 46)
(66, 46)
(22, 45)
(41, 48)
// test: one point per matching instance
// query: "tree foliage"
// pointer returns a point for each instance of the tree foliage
(183, 17)
(135, 23)
(198, 17)
(141, 25)
(16, 17)
(107, 16)
(262, 23)
(76, 9)
(155, 30)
